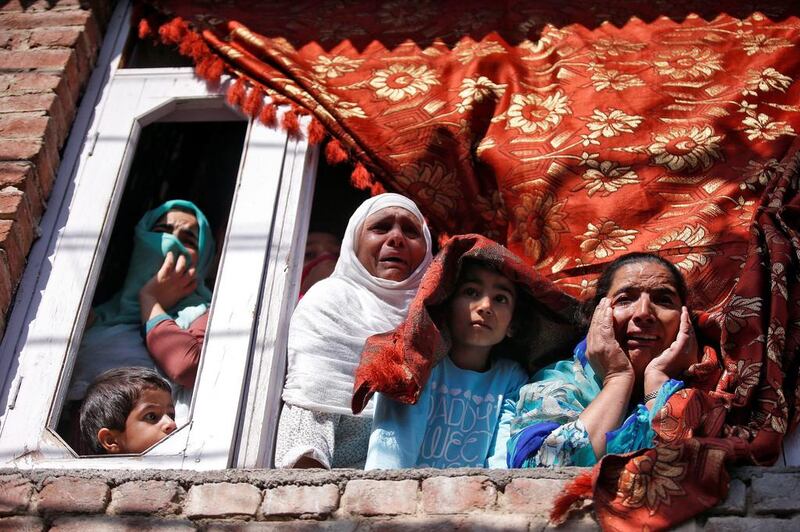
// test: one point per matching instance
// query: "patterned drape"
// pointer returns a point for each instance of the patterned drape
(672, 128)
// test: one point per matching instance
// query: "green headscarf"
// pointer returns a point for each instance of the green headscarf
(149, 250)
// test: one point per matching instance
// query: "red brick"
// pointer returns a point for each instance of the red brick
(14, 206)
(20, 175)
(67, 37)
(532, 495)
(10, 201)
(314, 501)
(380, 497)
(44, 158)
(145, 497)
(455, 495)
(484, 523)
(28, 102)
(222, 500)
(6, 285)
(21, 21)
(37, 5)
(15, 492)
(28, 82)
(73, 495)
(41, 60)
(22, 125)
(20, 150)
(14, 40)
(105, 523)
(21, 524)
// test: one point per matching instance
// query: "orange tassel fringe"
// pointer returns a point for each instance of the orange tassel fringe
(291, 123)
(316, 132)
(252, 104)
(361, 178)
(145, 30)
(210, 67)
(334, 153)
(573, 495)
(236, 93)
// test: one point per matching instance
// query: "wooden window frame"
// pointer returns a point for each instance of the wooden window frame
(237, 394)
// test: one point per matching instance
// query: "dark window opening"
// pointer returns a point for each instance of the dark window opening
(194, 161)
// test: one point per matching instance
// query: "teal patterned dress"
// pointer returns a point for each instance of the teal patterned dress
(546, 430)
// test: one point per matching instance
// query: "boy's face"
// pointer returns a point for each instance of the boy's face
(482, 308)
(150, 421)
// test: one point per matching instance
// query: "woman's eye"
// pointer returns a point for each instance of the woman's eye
(151, 417)
(469, 291)
(501, 299)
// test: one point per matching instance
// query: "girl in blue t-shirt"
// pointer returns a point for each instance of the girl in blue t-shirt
(463, 415)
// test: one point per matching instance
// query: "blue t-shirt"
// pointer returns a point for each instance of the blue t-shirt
(462, 419)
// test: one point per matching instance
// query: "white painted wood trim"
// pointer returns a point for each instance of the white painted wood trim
(281, 289)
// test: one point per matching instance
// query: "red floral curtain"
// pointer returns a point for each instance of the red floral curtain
(573, 133)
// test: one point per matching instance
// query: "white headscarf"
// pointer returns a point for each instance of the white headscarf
(337, 315)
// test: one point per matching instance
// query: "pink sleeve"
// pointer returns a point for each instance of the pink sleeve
(177, 351)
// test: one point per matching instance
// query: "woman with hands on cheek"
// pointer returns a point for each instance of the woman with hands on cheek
(639, 342)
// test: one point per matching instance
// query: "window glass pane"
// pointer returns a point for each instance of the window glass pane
(193, 161)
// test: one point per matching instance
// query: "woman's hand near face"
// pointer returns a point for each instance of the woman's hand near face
(173, 282)
(603, 351)
(675, 359)
(610, 363)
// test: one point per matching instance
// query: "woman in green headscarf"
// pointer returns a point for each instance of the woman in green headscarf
(163, 292)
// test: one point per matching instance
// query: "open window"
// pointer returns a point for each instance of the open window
(144, 135)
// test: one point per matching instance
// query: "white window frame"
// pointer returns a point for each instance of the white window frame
(231, 423)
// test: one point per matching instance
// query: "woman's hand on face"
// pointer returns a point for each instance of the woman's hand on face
(602, 348)
(677, 358)
(174, 281)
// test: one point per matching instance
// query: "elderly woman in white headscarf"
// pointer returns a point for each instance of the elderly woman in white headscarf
(385, 252)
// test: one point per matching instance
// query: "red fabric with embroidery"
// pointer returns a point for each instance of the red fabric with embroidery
(572, 141)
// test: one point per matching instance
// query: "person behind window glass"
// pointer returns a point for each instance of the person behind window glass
(463, 415)
(126, 410)
(164, 292)
(322, 251)
(384, 254)
(640, 340)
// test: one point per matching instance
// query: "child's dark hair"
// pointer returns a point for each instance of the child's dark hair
(607, 277)
(110, 399)
(517, 346)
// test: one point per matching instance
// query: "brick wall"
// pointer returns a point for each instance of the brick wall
(760, 499)
(47, 51)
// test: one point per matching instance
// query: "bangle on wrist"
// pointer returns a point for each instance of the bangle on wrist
(649, 397)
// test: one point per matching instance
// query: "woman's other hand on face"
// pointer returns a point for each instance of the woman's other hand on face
(602, 348)
(675, 359)
(174, 281)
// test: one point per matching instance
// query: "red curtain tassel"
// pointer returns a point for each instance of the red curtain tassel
(361, 178)
(334, 153)
(215, 68)
(252, 104)
(574, 493)
(236, 92)
(376, 189)
(291, 124)
(172, 32)
(145, 30)
(316, 132)
(269, 115)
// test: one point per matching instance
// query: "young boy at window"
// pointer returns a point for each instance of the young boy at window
(126, 410)
(463, 415)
